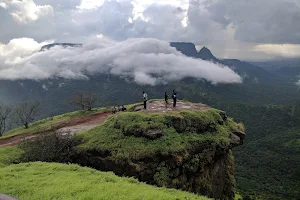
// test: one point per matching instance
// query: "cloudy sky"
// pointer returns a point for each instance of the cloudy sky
(248, 30)
(256, 29)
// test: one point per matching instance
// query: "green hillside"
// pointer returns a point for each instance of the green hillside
(123, 133)
(33, 181)
(9, 155)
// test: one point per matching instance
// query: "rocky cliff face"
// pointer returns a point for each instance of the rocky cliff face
(187, 150)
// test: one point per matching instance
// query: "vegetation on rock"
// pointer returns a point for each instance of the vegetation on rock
(188, 149)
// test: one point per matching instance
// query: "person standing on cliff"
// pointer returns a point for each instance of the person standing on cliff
(166, 98)
(145, 98)
(174, 97)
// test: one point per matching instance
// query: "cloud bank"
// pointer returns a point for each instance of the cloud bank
(222, 25)
(144, 61)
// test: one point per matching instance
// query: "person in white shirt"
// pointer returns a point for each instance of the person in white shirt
(145, 97)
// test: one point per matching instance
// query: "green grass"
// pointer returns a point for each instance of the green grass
(9, 155)
(238, 196)
(51, 122)
(59, 181)
(109, 137)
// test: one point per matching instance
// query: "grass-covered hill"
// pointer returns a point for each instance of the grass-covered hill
(136, 135)
(35, 181)
(187, 148)
(183, 149)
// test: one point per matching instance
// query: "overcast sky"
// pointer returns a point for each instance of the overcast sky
(251, 30)
(130, 38)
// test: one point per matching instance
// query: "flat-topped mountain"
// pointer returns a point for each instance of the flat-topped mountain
(49, 46)
(188, 49)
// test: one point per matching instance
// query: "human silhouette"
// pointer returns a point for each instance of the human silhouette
(174, 97)
(166, 98)
(145, 98)
(114, 110)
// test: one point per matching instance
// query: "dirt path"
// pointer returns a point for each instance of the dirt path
(80, 124)
(71, 126)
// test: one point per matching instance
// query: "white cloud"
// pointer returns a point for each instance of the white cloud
(90, 4)
(21, 47)
(139, 6)
(26, 11)
(44, 87)
(145, 61)
(280, 50)
(3, 5)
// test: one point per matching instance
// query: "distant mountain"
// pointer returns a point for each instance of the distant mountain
(205, 54)
(49, 46)
(274, 65)
(188, 49)
(250, 73)
(289, 71)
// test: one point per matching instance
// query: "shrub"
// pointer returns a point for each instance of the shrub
(241, 126)
(50, 147)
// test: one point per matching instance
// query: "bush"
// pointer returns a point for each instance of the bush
(50, 147)
(241, 126)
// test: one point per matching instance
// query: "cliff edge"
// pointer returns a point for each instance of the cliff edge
(187, 148)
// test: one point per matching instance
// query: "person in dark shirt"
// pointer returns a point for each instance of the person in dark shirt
(114, 110)
(166, 98)
(124, 109)
(174, 97)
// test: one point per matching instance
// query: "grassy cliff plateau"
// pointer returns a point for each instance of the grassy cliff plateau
(184, 149)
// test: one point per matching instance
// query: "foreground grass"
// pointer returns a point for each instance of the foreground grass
(59, 181)
(51, 122)
(108, 137)
(9, 155)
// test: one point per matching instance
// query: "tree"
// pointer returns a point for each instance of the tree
(26, 112)
(78, 100)
(90, 99)
(85, 100)
(5, 112)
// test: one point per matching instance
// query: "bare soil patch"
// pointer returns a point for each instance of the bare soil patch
(71, 126)
(162, 107)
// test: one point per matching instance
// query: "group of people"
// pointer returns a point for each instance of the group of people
(174, 97)
(145, 98)
(120, 109)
